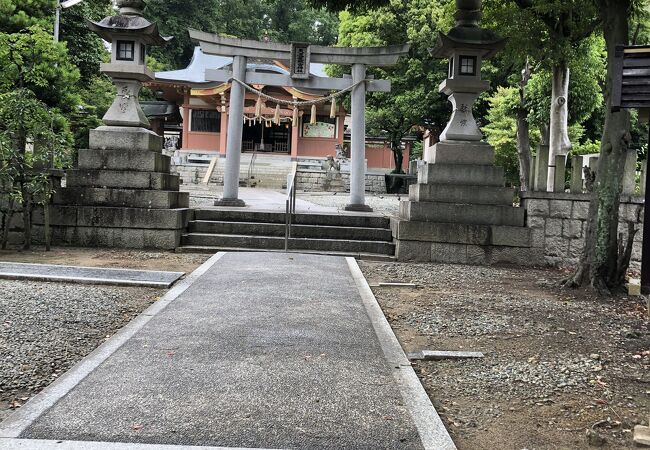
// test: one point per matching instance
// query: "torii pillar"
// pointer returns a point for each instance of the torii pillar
(358, 137)
(233, 144)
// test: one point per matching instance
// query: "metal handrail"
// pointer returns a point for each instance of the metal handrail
(290, 209)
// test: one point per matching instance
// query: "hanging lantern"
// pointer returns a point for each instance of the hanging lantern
(333, 108)
(313, 114)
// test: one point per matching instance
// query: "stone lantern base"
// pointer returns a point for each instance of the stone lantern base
(460, 211)
(121, 195)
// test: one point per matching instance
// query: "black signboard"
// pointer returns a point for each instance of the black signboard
(631, 89)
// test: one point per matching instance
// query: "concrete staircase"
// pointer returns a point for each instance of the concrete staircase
(363, 236)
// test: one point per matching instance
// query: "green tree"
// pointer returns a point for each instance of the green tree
(553, 33)
(603, 265)
(33, 138)
(501, 131)
(277, 20)
(18, 15)
(85, 49)
(30, 59)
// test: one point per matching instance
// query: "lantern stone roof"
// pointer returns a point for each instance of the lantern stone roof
(467, 33)
(109, 27)
(473, 38)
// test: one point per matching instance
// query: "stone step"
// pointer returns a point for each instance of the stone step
(122, 179)
(418, 251)
(117, 217)
(452, 193)
(131, 160)
(132, 198)
(462, 213)
(461, 233)
(95, 236)
(339, 220)
(297, 231)
(125, 138)
(460, 152)
(212, 250)
(459, 174)
(268, 242)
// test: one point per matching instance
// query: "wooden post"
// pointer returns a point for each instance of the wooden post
(645, 247)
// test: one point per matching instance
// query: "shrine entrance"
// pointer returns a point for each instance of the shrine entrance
(266, 137)
(299, 56)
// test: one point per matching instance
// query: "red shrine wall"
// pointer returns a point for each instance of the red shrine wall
(379, 155)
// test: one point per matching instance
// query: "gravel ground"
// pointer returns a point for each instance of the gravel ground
(387, 204)
(202, 196)
(45, 328)
(561, 369)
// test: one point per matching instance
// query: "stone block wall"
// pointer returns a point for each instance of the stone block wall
(558, 223)
(322, 181)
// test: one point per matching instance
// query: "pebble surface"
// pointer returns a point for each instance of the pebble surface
(45, 328)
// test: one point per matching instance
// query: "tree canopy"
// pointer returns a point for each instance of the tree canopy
(275, 20)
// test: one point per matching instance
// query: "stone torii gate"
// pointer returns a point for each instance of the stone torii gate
(300, 55)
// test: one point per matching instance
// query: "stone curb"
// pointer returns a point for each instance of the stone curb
(432, 431)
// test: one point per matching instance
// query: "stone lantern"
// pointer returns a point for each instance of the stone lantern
(466, 45)
(459, 211)
(129, 34)
(122, 194)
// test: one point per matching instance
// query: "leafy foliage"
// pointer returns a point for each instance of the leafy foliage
(276, 20)
(33, 138)
(31, 60)
(18, 15)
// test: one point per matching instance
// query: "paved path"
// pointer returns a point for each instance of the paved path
(203, 196)
(253, 350)
(90, 275)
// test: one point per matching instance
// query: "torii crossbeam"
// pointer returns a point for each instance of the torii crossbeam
(300, 55)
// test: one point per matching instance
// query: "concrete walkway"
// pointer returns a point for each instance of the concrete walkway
(253, 350)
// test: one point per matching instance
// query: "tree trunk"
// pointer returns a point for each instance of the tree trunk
(398, 157)
(559, 143)
(27, 221)
(5, 231)
(523, 132)
(544, 134)
(600, 264)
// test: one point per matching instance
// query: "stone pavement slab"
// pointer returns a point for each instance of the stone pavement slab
(261, 350)
(89, 275)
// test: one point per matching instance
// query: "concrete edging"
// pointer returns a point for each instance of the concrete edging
(88, 280)
(16, 423)
(432, 431)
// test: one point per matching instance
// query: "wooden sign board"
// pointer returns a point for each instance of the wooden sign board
(631, 87)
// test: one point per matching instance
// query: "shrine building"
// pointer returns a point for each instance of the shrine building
(268, 130)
